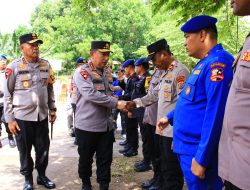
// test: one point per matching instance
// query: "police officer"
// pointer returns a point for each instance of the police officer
(74, 96)
(3, 62)
(93, 119)
(28, 96)
(131, 142)
(167, 171)
(136, 116)
(197, 118)
(234, 145)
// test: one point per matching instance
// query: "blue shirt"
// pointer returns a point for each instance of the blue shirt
(199, 112)
(116, 83)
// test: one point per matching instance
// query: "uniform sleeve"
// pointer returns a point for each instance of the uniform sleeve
(87, 90)
(128, 91)
(217, 87)
(122, 84)
(149, 99)
(180, 79)
(9, 87)
(170, 117)
(51, 95)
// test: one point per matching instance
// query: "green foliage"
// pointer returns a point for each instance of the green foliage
(68, 27)
(186, 9)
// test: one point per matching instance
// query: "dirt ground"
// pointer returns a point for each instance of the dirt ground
(63, 162)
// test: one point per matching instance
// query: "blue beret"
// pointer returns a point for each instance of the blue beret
(3, 57)
(140, 61)
(128, 62)
(80, 60)
(198, 23)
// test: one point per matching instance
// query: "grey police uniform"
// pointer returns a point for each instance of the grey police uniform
(96, 101)
(166, 93)
(234, 147)
(150, 115)
(93, 122)
(28, 94)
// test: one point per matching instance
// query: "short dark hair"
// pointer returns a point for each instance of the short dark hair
(212, 30)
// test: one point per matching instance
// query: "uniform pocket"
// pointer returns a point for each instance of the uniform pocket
(188, 91)
(243, 77)
(167, 92)
(24, 81)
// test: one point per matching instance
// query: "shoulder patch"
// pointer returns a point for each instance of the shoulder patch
(84, 74)
(246, 56)
(180, 79)
(8, 72)
(218, 65)
(217, 74)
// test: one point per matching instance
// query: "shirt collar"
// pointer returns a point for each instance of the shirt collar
(216, 48)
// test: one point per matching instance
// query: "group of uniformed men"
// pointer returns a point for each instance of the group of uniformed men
(180, 115)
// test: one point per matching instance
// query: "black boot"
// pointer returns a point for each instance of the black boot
(46, 182)
(86, 187)
(28, 184)
(126, 148)
(131, 152)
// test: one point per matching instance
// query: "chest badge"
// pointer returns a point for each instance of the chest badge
(188, 90)
(26, 84)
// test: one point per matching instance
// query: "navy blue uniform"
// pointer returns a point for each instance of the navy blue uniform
(131, 136)
(198, 117)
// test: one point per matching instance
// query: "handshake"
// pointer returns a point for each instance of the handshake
(126, 106)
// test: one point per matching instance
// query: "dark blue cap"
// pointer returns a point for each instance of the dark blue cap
(198, 23)
(81, 60)
(140, 61)
(128, 62)
(3, 57)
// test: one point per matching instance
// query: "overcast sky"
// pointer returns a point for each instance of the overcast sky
(15, 12)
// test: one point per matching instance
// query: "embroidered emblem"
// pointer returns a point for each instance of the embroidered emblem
(106, 46)
(181, 79)
(196, 72)
(22, 66)
(218, 65)
(188, 90)
(25, 77)
(166, 94)
(246, 57)
(26, 84)
(217, 75)
(84, 74)
(8, 72)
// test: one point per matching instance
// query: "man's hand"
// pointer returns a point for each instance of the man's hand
(121, 105)
(197, 169)
(13, 127)
(52, 116)
(162, 124)
(130, 105)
